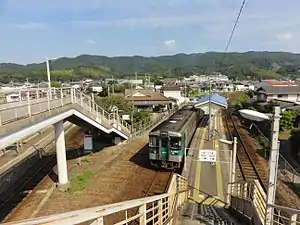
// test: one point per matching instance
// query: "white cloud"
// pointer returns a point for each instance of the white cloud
(90, 42)
(31, 26)
(150, 22)
(284, 36)
(170, 45)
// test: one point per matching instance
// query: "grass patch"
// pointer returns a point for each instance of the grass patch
(80, 182)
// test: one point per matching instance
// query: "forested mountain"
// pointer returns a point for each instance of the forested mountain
(241, 65)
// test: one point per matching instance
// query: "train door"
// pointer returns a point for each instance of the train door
(164, 147)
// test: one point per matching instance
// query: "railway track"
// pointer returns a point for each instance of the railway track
(160, 183)
(245, 158)
(248, 169)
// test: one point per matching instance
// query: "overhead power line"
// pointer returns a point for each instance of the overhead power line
(232, 32)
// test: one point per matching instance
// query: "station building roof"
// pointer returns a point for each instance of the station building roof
(215, 99)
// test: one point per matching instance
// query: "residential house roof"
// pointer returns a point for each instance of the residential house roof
(171, 88)
(280, 89)
(170, 81)
(144, 95)
(279, 82)
(285, 103)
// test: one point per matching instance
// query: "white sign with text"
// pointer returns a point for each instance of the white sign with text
(207, 155)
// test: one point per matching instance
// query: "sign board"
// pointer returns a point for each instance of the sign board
(125, 117)
(88, 143)
(207, 155)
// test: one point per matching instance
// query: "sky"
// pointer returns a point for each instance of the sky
(32, 30)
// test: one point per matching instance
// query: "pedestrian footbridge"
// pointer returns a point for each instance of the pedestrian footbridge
(247, 205)
(43, 108)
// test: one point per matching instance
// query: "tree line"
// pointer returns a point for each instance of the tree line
(249, 65)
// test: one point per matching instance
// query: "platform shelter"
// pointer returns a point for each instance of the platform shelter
(217, 102)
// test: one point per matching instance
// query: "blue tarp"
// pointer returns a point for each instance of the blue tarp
(216, 98)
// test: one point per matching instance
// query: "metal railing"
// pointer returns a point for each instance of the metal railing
(288, 171)
(249, 199)
(159, 209)
(38, 101)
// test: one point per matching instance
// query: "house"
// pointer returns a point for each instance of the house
(173, 92)
(148, 99)
(265, 83)
(243, 87)
(170, 81)
(288, 93)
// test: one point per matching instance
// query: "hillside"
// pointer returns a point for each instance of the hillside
(253, 64)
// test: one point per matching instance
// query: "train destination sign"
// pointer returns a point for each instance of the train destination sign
(208, 155)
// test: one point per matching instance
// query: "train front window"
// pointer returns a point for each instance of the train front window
(153, 141)
(175, 142)
(164, 142)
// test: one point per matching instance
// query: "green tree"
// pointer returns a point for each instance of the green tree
(269, 107)
(288, 119)
(241, 102)
(124, 107)
(193, 93)
(55, 84)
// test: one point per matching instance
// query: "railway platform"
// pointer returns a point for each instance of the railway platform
(208, 182)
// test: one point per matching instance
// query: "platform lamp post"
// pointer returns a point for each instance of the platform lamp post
(232, 167)
(209, 108)
(273, 160)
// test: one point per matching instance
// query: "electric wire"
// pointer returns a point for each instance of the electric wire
(232, 32)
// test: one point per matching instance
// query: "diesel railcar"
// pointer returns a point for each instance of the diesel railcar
(169, 139)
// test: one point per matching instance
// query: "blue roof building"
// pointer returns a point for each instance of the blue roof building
(217, 102)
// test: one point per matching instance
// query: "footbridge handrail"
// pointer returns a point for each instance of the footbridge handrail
(155, 209)
(39, 101)
(249, 199)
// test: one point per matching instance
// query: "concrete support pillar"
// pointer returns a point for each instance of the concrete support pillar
(117, 140)
(61, 153)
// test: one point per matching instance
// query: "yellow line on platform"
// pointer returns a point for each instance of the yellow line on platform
(218, 164)
(198, 165)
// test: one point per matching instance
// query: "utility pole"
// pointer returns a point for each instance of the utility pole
(209, 106)
(49, 78)
(112, 85)
(273, 164)
(185, 88)
(131, 106)
(135, 80)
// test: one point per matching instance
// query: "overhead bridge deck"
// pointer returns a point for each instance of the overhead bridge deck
(41, 109)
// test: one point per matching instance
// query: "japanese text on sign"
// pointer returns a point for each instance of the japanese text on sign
(208, 156)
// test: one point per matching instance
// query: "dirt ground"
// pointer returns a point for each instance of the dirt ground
(117, 173)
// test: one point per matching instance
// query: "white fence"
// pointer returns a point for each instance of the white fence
(249, 199)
